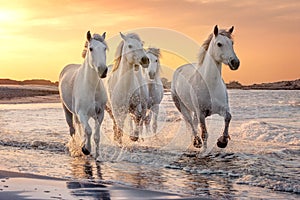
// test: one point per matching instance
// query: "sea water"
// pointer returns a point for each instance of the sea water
(262, 159)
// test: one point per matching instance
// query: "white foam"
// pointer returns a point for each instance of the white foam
(268, 132)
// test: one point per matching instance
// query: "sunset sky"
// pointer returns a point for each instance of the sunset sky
(38, 38)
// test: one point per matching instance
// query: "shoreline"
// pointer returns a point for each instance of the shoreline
(22, 94)
(34, 99)
(15, 185)
(16, 94)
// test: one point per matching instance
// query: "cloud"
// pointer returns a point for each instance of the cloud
(266, 31)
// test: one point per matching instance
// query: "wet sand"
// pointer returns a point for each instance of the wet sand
(15, 185)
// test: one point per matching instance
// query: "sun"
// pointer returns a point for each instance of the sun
(7, 16)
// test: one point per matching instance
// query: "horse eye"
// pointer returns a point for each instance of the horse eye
(219, 44)
(129, 46)
(156, 60)
(91, 49)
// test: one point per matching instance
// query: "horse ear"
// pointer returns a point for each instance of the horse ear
(123, 36)
(88, 36)
(104, 35)
(231, 29)
(216, 31)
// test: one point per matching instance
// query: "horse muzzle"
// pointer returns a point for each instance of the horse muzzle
(151, 75)
(104, 74)
(234, 64)
(145, 62)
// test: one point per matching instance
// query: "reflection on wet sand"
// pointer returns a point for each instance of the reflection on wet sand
(159, 179)
(98, 184)
(85, 168)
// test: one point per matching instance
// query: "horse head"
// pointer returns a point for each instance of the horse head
(133, 51)
(96, 53)
(154, 66)
(222, 48)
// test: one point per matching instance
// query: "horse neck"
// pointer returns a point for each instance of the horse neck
(124, 67)
(157, 73)
(90, 77)
(210, 69)
(125, 73)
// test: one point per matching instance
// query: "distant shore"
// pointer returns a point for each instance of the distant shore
(280, 85)
(13, 94)
(45, 91)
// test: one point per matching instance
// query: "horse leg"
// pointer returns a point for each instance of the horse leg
(204, 134)
(155, 110)
(137, 120)
(117, 131)
(188, 118)
(147, 120)
(83, 119)
(98, 122)
(69, 119)
(223, 140)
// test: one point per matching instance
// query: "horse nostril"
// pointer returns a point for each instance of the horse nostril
(104, 74)
(145, 60)
(151, 75)
(232, 62)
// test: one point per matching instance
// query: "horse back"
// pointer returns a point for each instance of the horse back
(181, 79)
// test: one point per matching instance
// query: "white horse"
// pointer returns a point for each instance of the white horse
(199, 90)
(82, 91)
(127, 88)
(155, 87)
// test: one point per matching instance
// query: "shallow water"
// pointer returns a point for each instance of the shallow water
(261, 161)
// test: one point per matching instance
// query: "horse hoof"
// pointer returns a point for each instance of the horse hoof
(222, 142)
(85, 151)
(197, 142)
(134, 138)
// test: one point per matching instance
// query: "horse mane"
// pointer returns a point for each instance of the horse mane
(96, 36)
(119, 51)
(154, 51)
(205, 45)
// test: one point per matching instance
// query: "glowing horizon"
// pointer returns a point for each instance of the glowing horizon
(38, 38)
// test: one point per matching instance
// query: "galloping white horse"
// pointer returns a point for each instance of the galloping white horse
(199, 91)
(127, 88)
(82, 91)
(155, 87)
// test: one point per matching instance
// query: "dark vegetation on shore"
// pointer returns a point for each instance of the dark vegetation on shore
(28, 82)
(27, 88)
(280, 85)
(7, 92)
